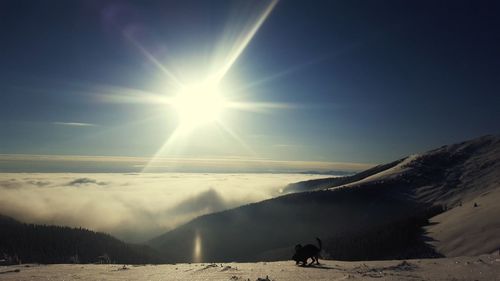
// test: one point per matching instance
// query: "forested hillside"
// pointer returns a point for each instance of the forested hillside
(20, 242)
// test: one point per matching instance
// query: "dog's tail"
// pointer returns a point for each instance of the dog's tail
(319, 243)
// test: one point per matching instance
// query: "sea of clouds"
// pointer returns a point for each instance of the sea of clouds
(133, 207)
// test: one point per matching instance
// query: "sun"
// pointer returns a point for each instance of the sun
(198, 104)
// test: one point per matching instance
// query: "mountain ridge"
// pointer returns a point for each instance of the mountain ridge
(409, 190)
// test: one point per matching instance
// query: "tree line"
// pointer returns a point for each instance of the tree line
(32, 243)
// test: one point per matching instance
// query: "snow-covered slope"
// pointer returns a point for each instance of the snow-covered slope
(447, 175)
(465, 178)
(468, 230)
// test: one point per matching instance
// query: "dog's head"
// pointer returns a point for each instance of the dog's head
(297, 257)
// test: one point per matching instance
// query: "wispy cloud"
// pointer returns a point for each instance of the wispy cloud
(285, 145)
(74, 124)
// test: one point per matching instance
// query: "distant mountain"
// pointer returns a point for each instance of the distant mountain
(381, 213)
(330, 173)
(311, 185)
(31, 243)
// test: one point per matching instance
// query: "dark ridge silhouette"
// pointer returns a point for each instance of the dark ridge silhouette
(404, 239)
(31, 243)
(249, 232)
(380, 217)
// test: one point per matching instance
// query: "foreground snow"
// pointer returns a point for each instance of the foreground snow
(485, 267)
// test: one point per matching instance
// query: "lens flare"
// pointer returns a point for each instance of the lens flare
(197, 252)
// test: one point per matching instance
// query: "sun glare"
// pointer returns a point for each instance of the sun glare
(198, 104)
(204, 103)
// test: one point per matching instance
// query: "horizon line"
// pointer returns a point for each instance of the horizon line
(217, 164)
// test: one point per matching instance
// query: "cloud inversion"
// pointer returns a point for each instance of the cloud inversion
(134, 207)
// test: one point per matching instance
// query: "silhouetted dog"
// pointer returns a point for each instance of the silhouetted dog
(302, 254)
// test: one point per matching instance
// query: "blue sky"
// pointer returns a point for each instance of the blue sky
(345, 81)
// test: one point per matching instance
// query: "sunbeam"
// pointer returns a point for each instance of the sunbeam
(235, 136)
(262, 107)
(172, 144)
(152, 59)
(243, 42)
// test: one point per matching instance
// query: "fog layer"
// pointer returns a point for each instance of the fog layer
(133, 207)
